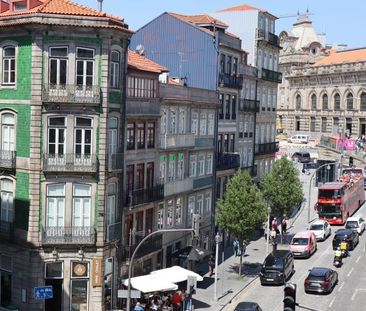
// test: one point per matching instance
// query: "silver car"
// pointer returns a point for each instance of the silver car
(321, 229)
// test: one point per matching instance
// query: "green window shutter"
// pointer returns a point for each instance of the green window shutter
(180, 156)
(171, 157)
(162, 157)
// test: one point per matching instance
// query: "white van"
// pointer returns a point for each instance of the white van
(299, 139)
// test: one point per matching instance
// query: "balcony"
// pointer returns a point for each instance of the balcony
(230, 81)
(226, 161)
(170, 141)
(8, 159)
(68, 235)
(151, 245)
(249, 105)
(115, 162)
(6, 229)
(178, 186)
(269, 37)
(114, 232)
(142, 196)
(70, 163)
(71, 93)
(271, 75)
(249, 71)
(142, 107)
(267, 148)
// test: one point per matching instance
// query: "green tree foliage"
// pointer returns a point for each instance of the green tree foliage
(282, 187)
(242, 210)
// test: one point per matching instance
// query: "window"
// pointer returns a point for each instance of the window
(192, 165)
(208, 202)
(169, 213)
(337, 102)
(191, 203)
(5, 285)
(173, 121)
(324, 124)
(160, 216)
(221, 106)
(203, 124)
(209, 162)
(200, 204)
(9, 65)
(84, 67)
(211, 124)
(112, 135)
(233, 107)
(182, 121)
(130, 178)
(178, 211)
(349, 101)
(150, 139)
(163, 121)
(7, 132)
(55, 209)
(111, 204)
(140, 175)
(227, 106)
(228, 64)
(232, 143)
(81, 205)
(140, 135)
(171, 167)
(115, 60)
(298, 102)
(7, 200)
(194, 123)
(222, 63)
(313, 102)
(336, 124)
(162, 169)
(150, 175)
(79, 294)
(201, 165)
(235, 65)
(180, 166)
(141, 87)
(325, 102)
(130, 136)
(83, 136)
(363, 102)
(58, 59)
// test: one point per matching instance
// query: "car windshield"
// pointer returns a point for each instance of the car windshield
(316, 227)
(300, 241)
(312, 277)
(329, 209)
(351, 224)
(340, 237)
(273, 262)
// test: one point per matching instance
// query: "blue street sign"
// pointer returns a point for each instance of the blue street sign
(43, 292)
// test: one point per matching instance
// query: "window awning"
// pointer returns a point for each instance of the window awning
(151, 283)
(175, 274)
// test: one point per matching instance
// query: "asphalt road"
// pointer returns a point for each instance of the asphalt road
(348, 295)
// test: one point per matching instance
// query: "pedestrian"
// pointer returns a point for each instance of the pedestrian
(211, 265)
(244, 248)
(275, 224)
(177, 300)
(284, 225)
(236, 247)
(273, 234)
(138, 307)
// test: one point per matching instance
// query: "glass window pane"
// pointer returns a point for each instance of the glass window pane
(57, 121)
(58, 51)
(56, 190)
(82, 190)
(79, 295)
(9, 51)
(83, 122)
(85, 53)
(8, 118)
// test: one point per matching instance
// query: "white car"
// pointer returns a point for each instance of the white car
(321, 229)
(356, 223)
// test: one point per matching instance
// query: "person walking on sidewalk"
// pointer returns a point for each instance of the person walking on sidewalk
(211, 265)
(244, 248)
(236, 247)
(275, 224)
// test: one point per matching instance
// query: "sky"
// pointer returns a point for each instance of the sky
(344, 22)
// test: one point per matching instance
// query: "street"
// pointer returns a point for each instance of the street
(350, 290)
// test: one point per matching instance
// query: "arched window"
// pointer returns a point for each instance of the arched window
(7, 132)
(349, 101)
(298, 102)
(313, 102)
(363, 102)
(7, 200)
(325, 102)
(337, 102)
(8, 65)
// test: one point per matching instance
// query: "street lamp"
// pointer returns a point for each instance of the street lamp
(311, 180)
(217, 240)
(268, 219)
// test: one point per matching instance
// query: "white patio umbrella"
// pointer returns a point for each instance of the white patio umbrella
(175, 274)
(151, 283)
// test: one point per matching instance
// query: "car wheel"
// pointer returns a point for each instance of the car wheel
(323, 238)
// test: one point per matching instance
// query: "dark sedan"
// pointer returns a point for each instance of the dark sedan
(321, 280)
(248, 306)
(347, 235)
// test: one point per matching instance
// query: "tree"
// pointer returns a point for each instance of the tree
(282, 187)
(242, 210)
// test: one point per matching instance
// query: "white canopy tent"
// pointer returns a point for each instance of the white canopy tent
(175, 274)
(151, 283)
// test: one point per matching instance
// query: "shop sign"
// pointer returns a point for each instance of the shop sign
(97, 276)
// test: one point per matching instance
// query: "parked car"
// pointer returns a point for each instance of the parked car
(303, 244)
(302, 157)
(299, 139)
(355, 223)
(321, 229)
(247, 306)
(321, 280)
(348, 235)
(277, 267)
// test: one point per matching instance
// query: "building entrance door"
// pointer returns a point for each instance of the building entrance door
(54, 304)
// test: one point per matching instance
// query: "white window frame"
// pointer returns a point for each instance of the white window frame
(191, 208)
(201, 164)
(111, 204)
(194, 123)
(9, 60)
(172, 120)
(211, 124)
(182, 121)
(209, 163)
(162, 170)
(180, 166)
(7, 200)
(192, 165)
(60, 206)
(115, 70)
(208, 196)
(160, 217)
(203, 123)
(58, 60)
(112, 135)
(85, 200)
(84, 61)
(8, 131)
(178, 219)
(83, 144)
(200, 203)
(169, 213)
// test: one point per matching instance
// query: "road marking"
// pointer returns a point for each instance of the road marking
(341, 286)
(331, 303)
(358, 259)
(354, 294)
(349, 273)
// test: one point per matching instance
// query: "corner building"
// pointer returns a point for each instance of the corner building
(61, 91)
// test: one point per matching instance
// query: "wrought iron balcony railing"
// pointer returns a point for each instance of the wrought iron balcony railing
(168, 141)
(271, 75)
(6, 229)
(141, 196)
(71, 93)
(70, 162)
(273, 39)
(153, 244)
(227, 161)
(8, 159)
(68, 235)
(249, 105)
(267, 148)
(230, 81)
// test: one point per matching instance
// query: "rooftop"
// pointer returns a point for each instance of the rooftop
(244, 7)
(343, 57)
(139, 62)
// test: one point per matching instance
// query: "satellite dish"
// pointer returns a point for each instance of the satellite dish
(140, 49)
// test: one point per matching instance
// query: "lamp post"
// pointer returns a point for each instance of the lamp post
(311, 180)
(268, 219)
(217, 240)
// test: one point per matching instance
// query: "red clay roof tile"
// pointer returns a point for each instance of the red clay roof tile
(139, 62)
(342, 57)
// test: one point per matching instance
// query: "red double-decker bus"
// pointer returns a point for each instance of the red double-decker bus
(340, 199)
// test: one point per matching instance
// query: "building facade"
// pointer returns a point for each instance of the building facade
(61, 97)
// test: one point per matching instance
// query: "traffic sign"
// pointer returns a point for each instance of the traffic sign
(43, 292)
